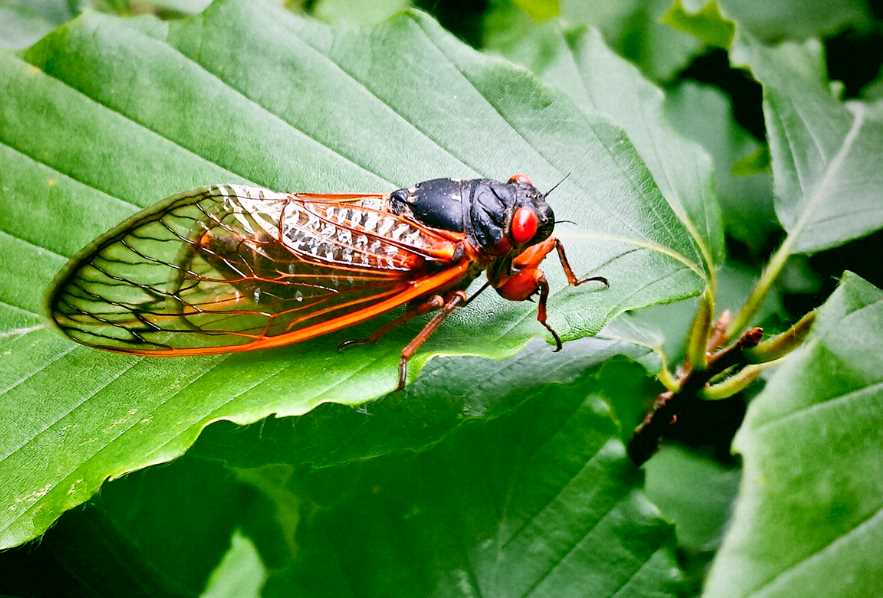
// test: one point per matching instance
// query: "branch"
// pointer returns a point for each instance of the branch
(669, 404)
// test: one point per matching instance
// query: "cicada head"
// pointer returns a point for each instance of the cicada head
(508, 217)
(532, 219)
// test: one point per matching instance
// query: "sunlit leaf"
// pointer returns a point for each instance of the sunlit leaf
(240, 574)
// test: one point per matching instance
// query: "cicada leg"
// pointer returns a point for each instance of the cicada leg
(433, 303)
(568, 271)
(454, 300)
(528, 280)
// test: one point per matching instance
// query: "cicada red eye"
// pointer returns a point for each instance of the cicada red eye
(524, 225)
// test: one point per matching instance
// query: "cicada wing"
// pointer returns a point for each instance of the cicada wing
(233, 268)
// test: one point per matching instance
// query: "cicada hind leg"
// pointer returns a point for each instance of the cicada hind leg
(443, 305)
(423, 307)
(528, 280)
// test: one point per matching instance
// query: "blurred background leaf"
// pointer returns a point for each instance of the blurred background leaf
(712, 21)
(744, 189)
(631, 27)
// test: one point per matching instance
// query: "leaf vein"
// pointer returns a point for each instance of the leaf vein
(70, 176)
(76, 406)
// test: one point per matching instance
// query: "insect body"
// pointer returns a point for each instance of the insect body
(232, 268)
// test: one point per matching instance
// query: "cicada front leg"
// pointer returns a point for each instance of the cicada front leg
(528, 280)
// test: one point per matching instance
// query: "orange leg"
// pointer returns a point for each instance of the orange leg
(433, 303)
(568, 271)
(529, 280)
(543, 287)
(533, 256)
(454, 300)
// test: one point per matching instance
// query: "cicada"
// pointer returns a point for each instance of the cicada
(231, 268)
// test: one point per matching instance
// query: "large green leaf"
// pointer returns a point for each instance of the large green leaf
(580, 63)
(106, 115)
(697, 493)
(809, 517)
(825, 166)
(521, 482)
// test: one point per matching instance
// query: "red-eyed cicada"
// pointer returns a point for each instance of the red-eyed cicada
(233, 268)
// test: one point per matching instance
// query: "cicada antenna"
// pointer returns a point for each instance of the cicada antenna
(555, 186)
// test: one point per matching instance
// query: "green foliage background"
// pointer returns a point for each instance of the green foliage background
(704, 140)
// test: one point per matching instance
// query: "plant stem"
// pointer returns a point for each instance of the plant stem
(700, 331)
(760, 290)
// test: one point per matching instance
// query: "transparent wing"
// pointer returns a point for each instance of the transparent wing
(233, 268)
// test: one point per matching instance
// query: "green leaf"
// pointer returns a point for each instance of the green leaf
(702, 113)
(159, 532)
(826, 175)
(519, 480)
(631, 27)
(697, 494)
(734, 283)
(808, 517)
(799, 19)
(451, 392)
(580, 63)
(872, 96)
(107, 114)
(673, 477)
(23, 22)
(712, 21)
(560, 516)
